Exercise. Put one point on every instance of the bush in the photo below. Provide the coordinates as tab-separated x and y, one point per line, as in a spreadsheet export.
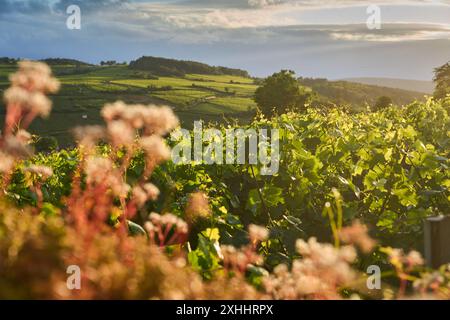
280	93
382	103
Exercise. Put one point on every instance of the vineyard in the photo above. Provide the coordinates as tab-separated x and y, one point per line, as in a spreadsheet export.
214	98
352	191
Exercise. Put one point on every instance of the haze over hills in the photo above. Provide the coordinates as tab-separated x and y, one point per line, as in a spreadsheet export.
355	94
405	84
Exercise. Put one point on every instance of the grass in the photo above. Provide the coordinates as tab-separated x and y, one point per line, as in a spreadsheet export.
219	78
5	71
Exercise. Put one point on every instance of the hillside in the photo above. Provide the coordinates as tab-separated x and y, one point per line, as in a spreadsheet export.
86	89
172	67
194	96
410	85
357	95
64	62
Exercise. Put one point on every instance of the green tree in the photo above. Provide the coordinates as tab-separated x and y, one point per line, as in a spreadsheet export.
281	92
442	81
382	102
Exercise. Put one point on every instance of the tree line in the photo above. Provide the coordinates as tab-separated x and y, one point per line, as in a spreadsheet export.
171	67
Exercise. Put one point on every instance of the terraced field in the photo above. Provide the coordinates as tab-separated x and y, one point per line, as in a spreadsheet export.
85	90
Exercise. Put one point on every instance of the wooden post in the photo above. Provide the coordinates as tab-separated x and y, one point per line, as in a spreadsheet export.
437	241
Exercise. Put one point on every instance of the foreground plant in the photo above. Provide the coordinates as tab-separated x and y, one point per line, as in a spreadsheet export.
101	187
25	100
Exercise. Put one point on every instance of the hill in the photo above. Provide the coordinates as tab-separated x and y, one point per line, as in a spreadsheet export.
86	89
410	85
172	67
357	95
64	62
211	97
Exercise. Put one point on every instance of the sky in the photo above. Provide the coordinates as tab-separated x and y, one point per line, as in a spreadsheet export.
315	38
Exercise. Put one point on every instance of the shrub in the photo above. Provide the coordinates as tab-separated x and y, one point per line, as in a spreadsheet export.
280	93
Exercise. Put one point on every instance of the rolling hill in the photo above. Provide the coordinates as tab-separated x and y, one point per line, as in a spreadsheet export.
216	95
171	67
410	85
357	95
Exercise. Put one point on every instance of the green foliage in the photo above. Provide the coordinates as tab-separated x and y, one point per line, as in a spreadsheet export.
382	103
388	169
391	168
57	186
442	80
205	259
6	60
65	62
135	230
281	92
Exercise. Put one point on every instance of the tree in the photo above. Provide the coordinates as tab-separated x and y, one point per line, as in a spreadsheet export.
382	103
281	92
442	81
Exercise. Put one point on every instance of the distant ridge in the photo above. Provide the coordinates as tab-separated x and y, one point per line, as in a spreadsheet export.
49	61
357	94
405	84
171	67
63	61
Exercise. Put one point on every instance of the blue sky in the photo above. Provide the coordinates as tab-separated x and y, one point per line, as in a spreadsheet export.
315	38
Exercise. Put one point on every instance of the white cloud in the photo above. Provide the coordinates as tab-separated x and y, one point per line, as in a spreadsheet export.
372	37
320	37
264	3
302	3
264	13
394	32
252	21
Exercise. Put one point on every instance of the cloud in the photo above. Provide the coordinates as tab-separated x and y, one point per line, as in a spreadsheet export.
320	37
242	4
33	6
229	19
264	3
89	5
329	34
214	21
47	6
23	6
233	14
202	26
393	33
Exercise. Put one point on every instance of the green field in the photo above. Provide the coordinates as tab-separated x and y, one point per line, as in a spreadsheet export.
83	94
